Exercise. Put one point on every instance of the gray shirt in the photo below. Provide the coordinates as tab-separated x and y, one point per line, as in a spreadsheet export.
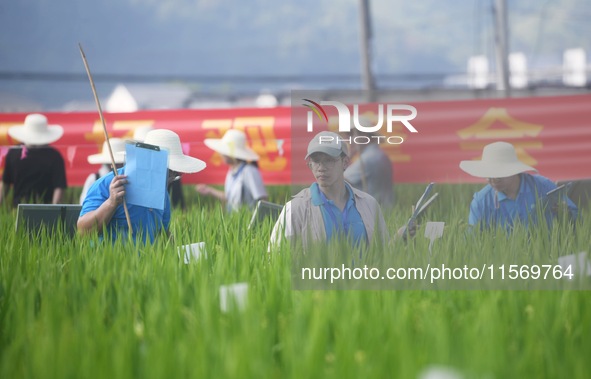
375	169
243	186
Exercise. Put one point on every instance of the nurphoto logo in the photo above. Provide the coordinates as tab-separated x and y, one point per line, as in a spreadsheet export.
346	122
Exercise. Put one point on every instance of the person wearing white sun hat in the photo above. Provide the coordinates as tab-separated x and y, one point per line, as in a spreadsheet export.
512	194
175	189
103	206
35	170
244	184
104	159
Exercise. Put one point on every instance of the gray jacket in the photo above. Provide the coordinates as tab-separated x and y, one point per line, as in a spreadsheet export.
301	219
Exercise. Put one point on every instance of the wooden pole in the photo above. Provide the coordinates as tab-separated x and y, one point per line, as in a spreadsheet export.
98	105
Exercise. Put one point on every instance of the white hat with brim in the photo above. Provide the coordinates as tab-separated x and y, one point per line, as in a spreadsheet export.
233	145
117	146
36	131
499	160
177	161
328	143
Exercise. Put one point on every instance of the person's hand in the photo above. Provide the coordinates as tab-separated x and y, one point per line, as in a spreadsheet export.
560	209
117	189
203	189
411	231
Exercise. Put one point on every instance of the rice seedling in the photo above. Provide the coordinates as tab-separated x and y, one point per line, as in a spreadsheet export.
79	308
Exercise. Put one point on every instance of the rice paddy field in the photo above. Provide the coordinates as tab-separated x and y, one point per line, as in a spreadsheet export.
75	308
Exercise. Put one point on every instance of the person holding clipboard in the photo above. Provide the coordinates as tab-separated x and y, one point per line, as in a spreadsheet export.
102	209
512	195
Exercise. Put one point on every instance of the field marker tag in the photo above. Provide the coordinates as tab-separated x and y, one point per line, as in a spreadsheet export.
581	266
434	230
233	296
192	252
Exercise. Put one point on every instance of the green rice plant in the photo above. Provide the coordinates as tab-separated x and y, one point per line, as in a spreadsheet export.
80	308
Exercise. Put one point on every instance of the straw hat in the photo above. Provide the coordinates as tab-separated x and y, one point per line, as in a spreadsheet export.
177	161
328	143
233	145
499	160
117	145
35	131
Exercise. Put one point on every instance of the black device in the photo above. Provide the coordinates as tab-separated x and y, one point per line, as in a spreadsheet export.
33	217
263	210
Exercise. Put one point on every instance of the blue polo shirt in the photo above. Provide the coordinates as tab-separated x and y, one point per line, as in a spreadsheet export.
492	208
336	222
147	222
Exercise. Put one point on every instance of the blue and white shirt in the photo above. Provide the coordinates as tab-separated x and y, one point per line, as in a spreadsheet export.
490	208
347	222
146	222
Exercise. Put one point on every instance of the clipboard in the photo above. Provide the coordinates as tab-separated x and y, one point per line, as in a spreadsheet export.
146	168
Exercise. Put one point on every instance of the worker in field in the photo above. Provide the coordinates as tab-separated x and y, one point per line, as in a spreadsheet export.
244	184
103	211
512	195
175	189
35	171
330	208
371	171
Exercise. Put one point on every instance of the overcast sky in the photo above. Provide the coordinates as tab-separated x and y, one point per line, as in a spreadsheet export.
269	37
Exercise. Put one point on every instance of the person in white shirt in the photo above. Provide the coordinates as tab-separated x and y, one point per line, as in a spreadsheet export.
244	184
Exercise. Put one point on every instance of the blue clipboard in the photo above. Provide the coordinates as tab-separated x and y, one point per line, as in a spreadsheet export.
146	167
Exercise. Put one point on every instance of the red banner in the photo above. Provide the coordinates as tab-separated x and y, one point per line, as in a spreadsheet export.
552	134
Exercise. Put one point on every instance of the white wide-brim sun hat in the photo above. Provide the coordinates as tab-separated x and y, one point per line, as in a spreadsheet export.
499	160
117	146
177	161
36	131
232	144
